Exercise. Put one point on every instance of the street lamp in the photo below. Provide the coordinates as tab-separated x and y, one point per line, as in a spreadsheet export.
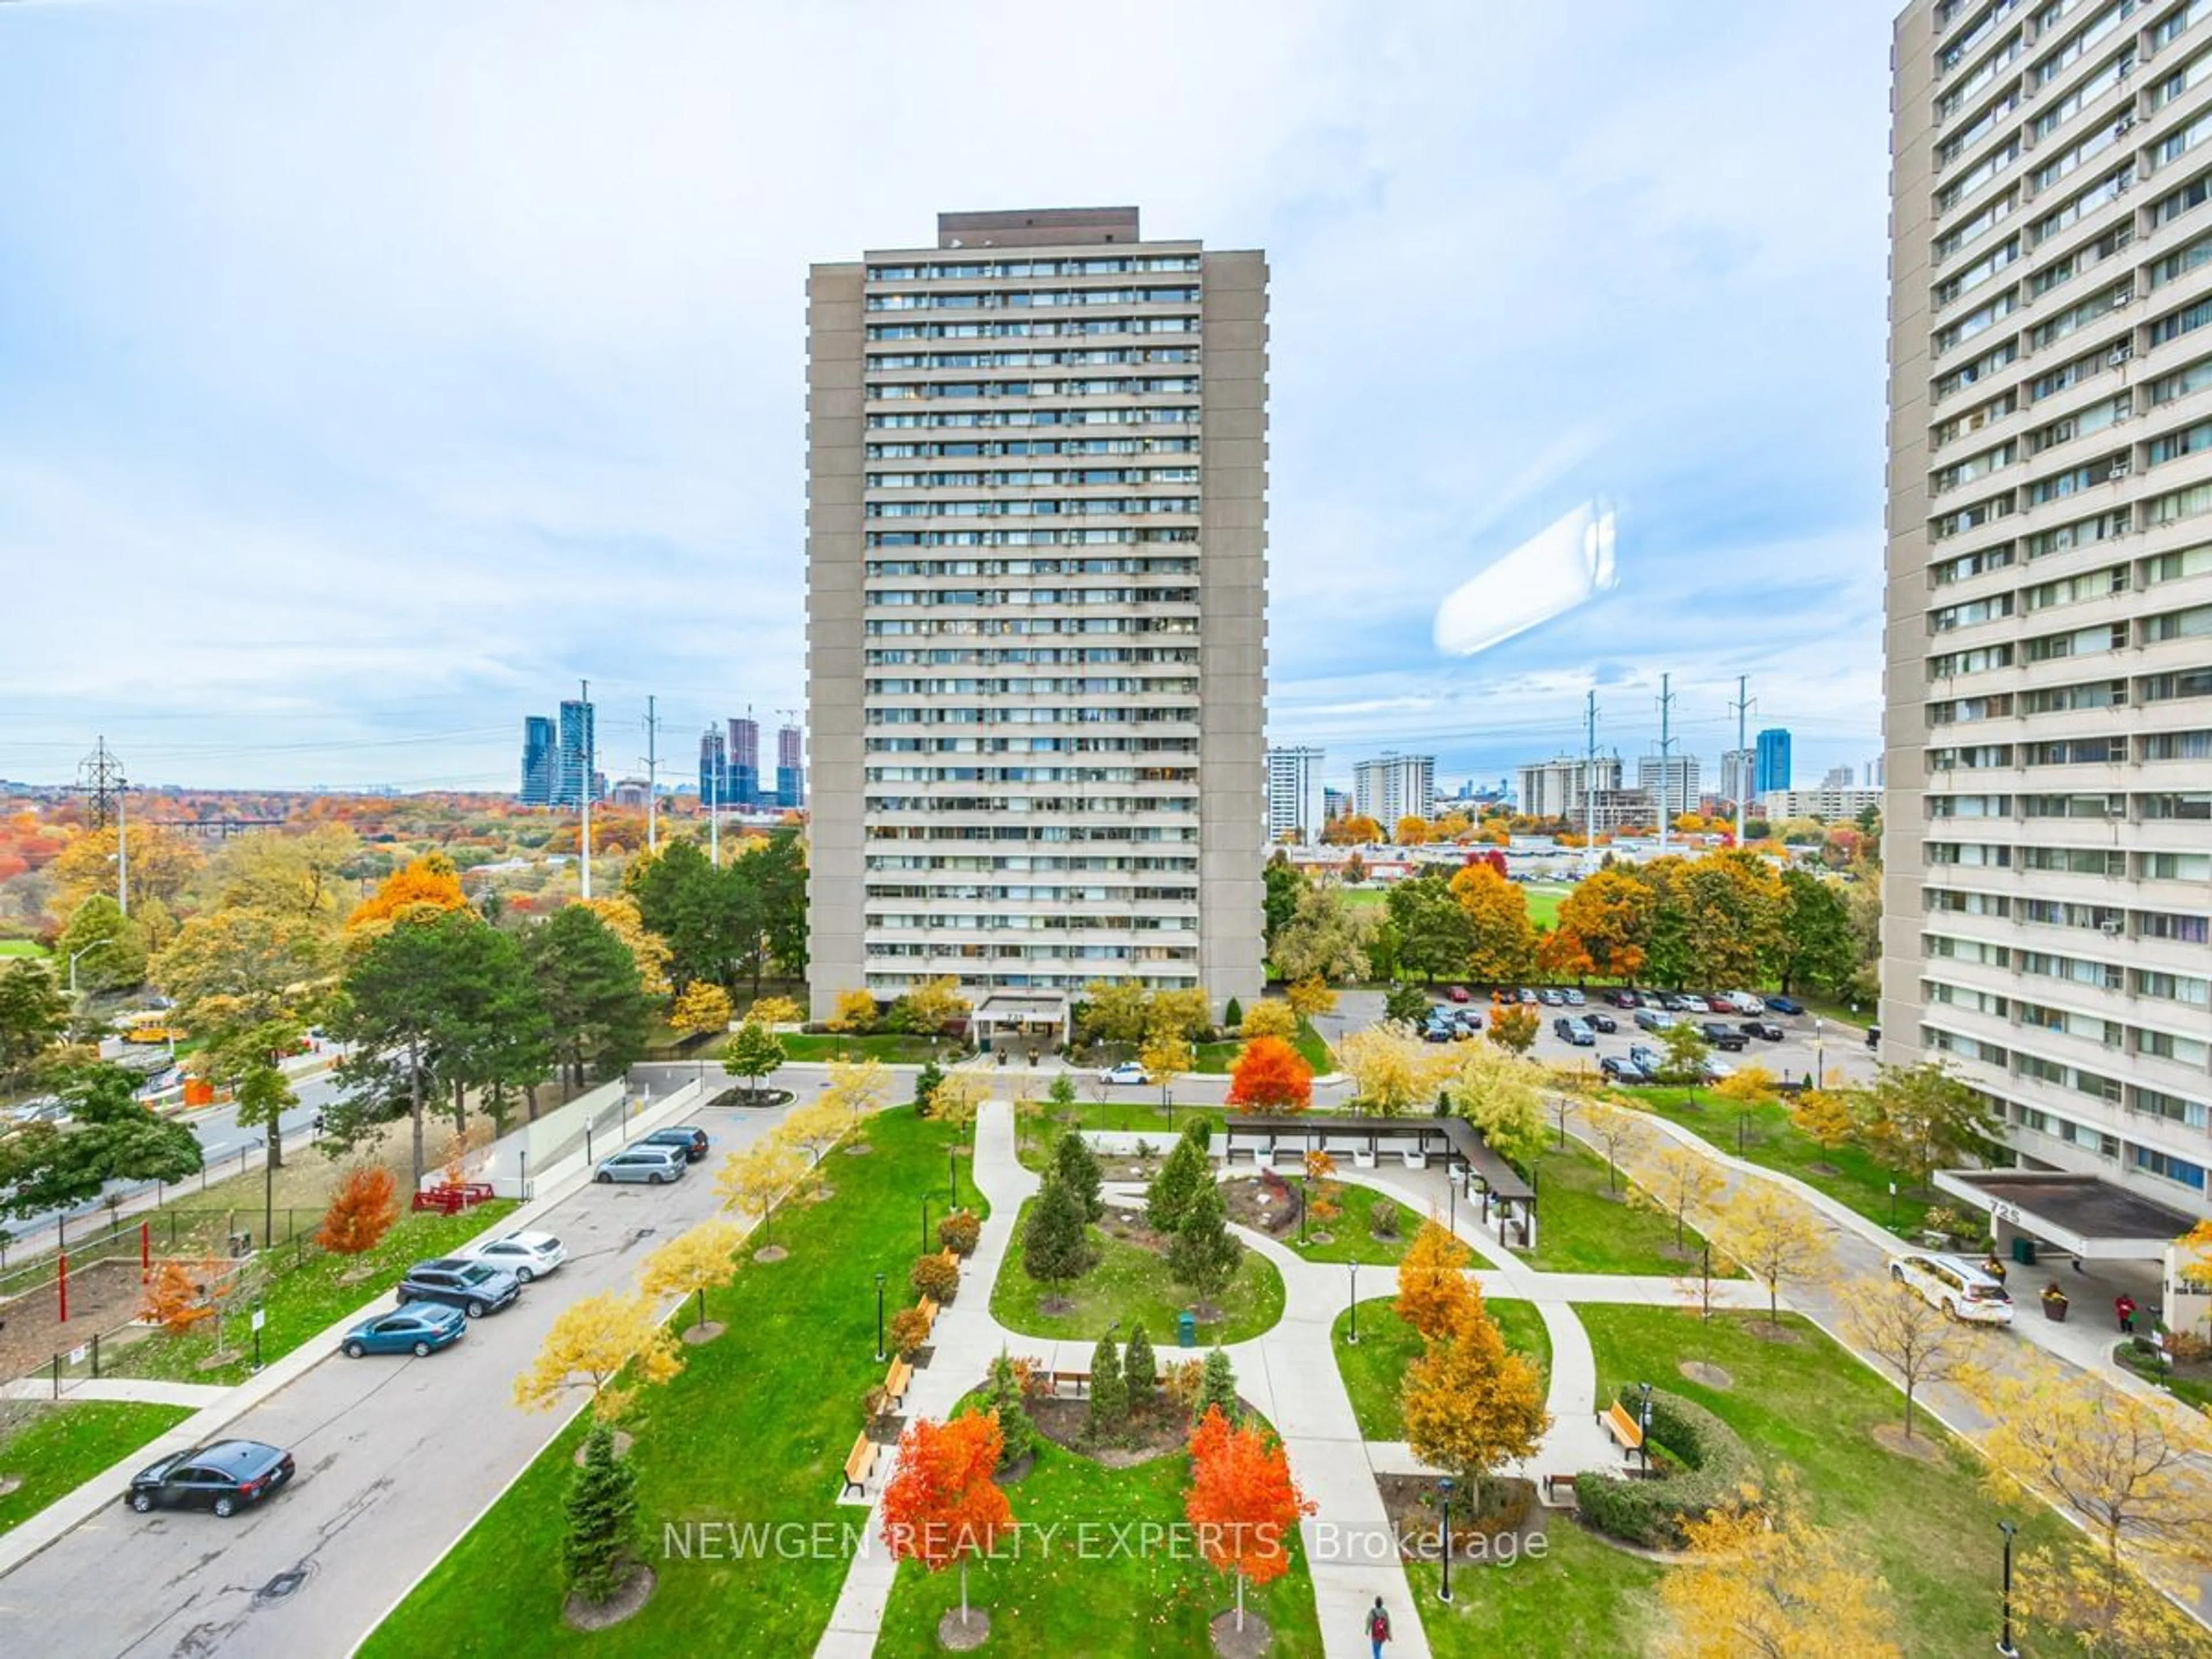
879	1319
2004	1641
1305	1197
1351	1338
1451	1208
1444	1487
924	1222
96	944
1818	1075
1643	1427
952	1178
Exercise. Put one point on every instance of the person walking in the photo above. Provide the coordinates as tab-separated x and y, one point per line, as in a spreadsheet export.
2123	1306
1378	1626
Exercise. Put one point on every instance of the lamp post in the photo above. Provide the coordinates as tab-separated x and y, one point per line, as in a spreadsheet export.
1451	1209
1444	1488
879	1319
1818	1073
2004	1640
1643	1427
1351	1338
96	944
1305	1199
952	1179
924	1222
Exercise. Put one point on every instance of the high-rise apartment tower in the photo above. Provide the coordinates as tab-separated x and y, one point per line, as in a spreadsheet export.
1296	810
1036	664
2048	747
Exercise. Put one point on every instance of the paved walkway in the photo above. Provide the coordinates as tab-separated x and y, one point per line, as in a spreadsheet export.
143	1390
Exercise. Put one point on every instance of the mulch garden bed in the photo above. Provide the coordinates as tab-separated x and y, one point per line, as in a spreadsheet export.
1153	1430
1264	1203
1508	1506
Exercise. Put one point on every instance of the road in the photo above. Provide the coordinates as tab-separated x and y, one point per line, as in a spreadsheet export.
397	1456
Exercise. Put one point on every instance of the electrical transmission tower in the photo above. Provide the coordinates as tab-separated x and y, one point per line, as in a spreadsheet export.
99	780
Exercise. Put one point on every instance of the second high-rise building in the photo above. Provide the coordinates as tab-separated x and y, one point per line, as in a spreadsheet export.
1036	628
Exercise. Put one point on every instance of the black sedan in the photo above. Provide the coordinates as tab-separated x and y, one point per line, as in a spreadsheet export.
1765	1029
224	1475
1598	1022
1614	1068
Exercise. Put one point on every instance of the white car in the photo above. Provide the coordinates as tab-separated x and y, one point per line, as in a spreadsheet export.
1127	1072
526	1255
1961	1290
1744	1003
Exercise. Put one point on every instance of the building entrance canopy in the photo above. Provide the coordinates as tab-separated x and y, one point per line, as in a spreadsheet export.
2082	1214
1034	1014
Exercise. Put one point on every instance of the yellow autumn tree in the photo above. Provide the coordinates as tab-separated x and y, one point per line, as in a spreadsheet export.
1616	1130
1469	1405
777	1011
426	883
1504	945
1825	1115
855	1011
1434	1292
1270	1016
1391	1071
1679	1182
1761	1585
1310	996
698	1260
860	1089
754	1182
954	1102
818	1126
934	1004
1891	1321
647	948
594	1342
1773	1237
703	1008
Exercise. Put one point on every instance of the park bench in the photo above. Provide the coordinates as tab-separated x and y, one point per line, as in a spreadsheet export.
898	1382
1076	1380
1417	1157
1623	1427
452	1200
928	1306
1554	1485
859	1463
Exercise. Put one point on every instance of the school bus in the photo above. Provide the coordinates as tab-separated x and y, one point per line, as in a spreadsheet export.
151	1026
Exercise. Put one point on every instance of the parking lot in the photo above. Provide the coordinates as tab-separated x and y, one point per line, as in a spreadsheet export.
1836	1046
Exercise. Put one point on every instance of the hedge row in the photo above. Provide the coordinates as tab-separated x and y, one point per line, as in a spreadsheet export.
1716	1468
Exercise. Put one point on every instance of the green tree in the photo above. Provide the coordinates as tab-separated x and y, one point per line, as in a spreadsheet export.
1284	885
1232	1013
699	911
1140	1367
1435	935
924	1084
1815	942
1002	1394
1203	1254
1061	1093
232	970
1407	1005
588	981
1502	1095
1114	1011
262	1094
1917	1118
1109	1390
770	881
1078	1166
1324	939
753	1053
112	1136
601	1510
1055	1248
1217	1388
34	1014
1181	1173
1685	1052
110	946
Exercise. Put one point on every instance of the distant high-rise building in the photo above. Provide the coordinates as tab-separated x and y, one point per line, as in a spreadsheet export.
1560	788
745	764
1296	806
1738	775
572	771
1394	786
790	776
1334	804
537	760
1839	777
1876	771
1120	839
714	768
1772	771
1672	783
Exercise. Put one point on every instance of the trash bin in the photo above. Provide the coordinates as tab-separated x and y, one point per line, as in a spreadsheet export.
1187	1329
2023	1250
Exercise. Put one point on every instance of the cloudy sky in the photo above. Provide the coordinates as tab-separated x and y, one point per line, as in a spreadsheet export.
369	373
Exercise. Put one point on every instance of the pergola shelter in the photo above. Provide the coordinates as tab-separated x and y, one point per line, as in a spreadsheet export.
1490	1180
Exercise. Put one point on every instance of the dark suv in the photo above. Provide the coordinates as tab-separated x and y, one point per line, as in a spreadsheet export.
224	1475
1723	1036
477	1288
690	1138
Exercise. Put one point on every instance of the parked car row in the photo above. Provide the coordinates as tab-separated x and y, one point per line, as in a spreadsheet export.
1644	1064
655	1160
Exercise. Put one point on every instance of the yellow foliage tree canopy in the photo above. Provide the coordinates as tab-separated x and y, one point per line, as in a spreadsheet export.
700	1258
647	948
595	1340
1469	1405
1504	945
855	1011
1782	1587
703	1008
1435	1295
1271	1017
428	883
1391	1071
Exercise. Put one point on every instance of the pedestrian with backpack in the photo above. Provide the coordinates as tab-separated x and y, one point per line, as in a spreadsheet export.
1378	1626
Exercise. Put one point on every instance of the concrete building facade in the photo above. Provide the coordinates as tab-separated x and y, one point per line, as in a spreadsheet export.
1036	662
1393	787
1297	807
1831	803
1560	788
2048	741
1672	783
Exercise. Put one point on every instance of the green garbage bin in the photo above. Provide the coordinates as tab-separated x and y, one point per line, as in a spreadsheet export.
1187	1329
2023	1251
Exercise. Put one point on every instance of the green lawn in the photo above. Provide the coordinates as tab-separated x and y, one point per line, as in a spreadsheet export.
1579	1597
1582	1227
1088	1597
1132	1284
1214	1059
1038	1133
892	1048
1927	1528
64	1446
302	1301
22	947
754	1430
1373	1370
1353	1232
1544	906
1845	1173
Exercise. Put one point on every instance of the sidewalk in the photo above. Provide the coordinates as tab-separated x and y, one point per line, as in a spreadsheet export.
143	1390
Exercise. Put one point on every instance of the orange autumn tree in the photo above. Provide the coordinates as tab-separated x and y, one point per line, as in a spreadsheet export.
1434	1295
428	883
1270	1075
941	1505
174	1300
361	1212
1243	1501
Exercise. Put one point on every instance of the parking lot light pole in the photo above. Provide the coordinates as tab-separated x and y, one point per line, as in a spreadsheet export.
1444	1487
924	1222
1351	1338
2004	1641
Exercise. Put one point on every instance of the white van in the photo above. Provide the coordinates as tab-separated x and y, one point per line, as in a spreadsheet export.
1961	1290
1744	1003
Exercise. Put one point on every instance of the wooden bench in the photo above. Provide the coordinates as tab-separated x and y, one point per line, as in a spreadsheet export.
928	1306
859	1463
1554	1484
1078	1381
898	1382
1622	1427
